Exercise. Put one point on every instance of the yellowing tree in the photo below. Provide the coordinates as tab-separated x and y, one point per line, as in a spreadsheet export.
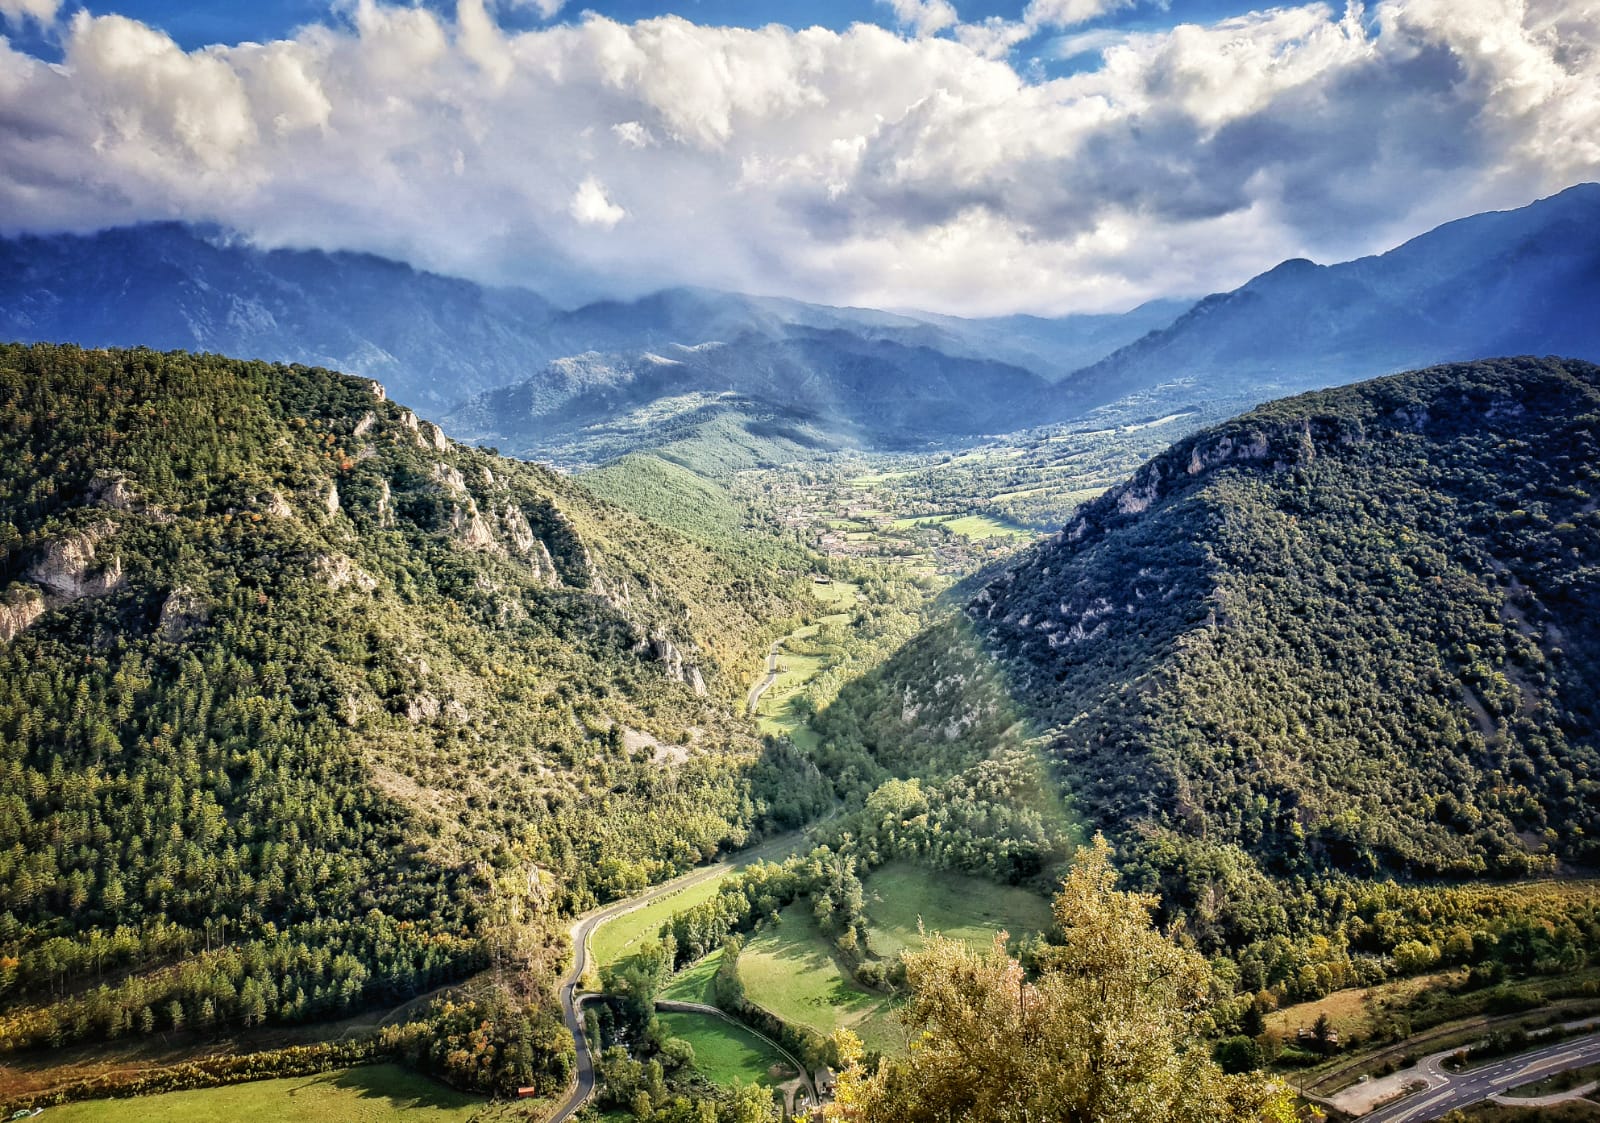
1111	1031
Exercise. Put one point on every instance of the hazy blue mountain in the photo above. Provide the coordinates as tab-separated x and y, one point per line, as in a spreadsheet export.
432	340
873	391
1502	283
436	341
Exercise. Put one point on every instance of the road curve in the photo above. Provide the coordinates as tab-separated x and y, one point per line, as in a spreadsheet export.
1447	1090
572	999
760	688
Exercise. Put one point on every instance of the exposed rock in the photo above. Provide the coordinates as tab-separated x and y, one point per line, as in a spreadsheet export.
597	583
518	530
182	614
470	528
450	479
378	390
20	607
278	507
546	564
385	505
660	648
340	572
424	707
109	489
432	434
67	568
364	426
332	502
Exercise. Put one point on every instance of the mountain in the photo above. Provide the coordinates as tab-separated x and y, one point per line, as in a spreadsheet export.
1356	631
1502	283
433	340
305	708
436	341
844	387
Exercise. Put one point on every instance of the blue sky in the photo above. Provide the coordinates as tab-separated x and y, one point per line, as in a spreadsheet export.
194	25
950	155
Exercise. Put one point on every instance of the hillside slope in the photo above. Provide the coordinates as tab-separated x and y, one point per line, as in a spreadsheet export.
1355	630
281	665
1502	283
876	392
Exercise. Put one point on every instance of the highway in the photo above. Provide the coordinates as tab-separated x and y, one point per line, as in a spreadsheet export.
1448	1090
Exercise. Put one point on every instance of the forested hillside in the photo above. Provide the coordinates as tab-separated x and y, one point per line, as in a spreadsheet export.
1352	632
305	708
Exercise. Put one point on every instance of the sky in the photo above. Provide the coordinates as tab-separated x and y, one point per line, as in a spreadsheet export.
966	156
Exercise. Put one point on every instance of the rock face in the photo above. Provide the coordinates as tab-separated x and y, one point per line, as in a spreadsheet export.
659	646
182	614
19	608
68	572
340	572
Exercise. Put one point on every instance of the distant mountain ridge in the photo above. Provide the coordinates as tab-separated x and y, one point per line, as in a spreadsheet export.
1524	281
436	341
878	392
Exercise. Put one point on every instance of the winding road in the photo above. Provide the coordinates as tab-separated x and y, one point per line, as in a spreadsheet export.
1447	1091
572	999
760	688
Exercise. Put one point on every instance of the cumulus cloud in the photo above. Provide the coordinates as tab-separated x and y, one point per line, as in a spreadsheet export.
925	17
859	166
42	12
591	207
1069	13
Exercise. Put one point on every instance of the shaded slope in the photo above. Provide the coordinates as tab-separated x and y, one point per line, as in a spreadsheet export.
1358	629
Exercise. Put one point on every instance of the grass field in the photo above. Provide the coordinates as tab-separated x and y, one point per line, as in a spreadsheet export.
371	1094
975	527
963	908
840	594
617	939
724	1053
789	970
1353	1011
693	983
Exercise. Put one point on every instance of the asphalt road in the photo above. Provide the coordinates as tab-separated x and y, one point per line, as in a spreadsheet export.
1448	1090
772	676
572	999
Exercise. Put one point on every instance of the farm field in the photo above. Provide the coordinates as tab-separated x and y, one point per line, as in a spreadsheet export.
788	969
617	939
724	1053
693	983
969	909
370	1094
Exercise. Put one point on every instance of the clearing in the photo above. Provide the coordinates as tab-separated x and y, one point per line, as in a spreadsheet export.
724	1053
788	969
369	1094
968	909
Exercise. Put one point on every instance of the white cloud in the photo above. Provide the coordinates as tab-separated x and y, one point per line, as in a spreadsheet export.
591	207
42	12
1069	13
925	17
547	9
855	166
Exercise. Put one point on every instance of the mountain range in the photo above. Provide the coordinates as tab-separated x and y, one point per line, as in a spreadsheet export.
508	366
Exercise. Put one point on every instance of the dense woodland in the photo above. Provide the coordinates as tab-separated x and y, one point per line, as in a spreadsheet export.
304	708
1346	638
